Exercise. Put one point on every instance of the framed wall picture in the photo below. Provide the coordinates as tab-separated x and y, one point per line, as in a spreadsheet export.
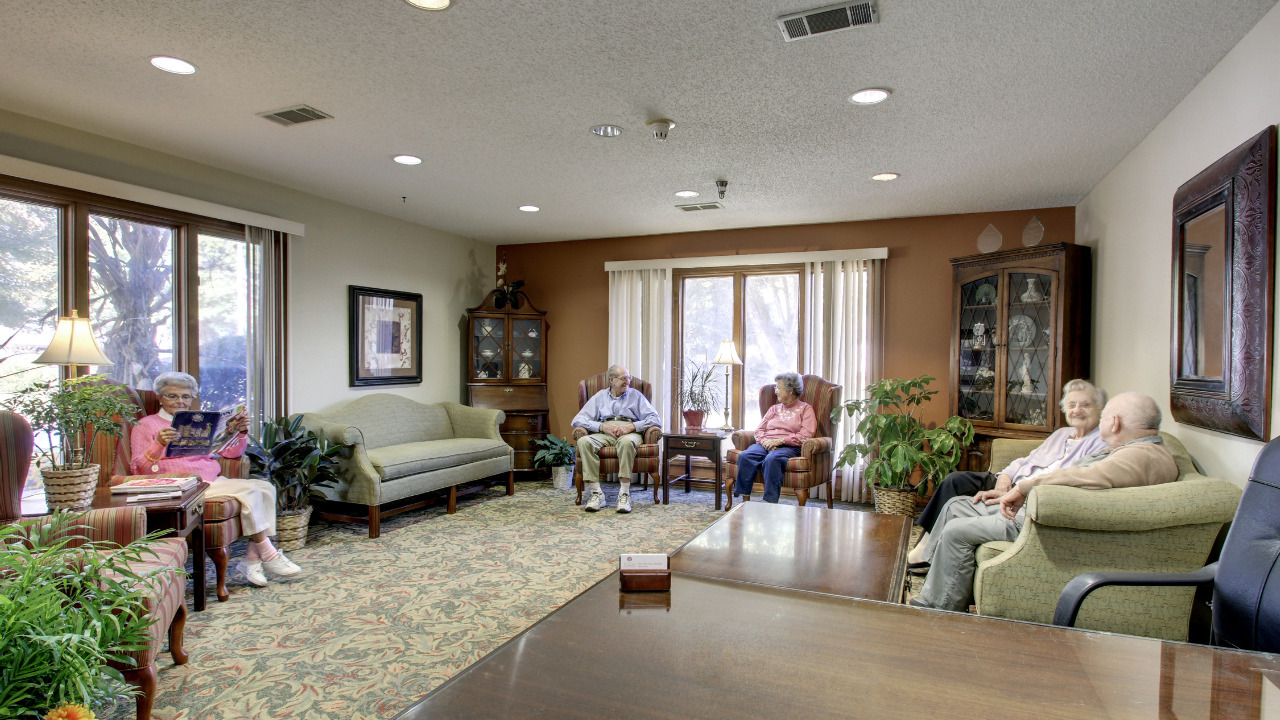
386	337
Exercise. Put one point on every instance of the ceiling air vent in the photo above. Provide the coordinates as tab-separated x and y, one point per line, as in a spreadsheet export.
295	115
827	19
700	206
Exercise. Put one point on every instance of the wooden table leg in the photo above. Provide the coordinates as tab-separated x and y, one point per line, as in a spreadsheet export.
719	472
196	539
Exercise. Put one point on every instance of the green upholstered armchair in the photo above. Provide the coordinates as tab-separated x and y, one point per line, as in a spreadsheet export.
1069	531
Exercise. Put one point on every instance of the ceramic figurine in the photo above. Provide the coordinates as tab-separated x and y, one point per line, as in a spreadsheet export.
979	336
1033	291
1028	387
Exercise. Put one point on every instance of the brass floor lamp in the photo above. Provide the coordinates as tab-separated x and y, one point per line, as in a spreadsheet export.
727	356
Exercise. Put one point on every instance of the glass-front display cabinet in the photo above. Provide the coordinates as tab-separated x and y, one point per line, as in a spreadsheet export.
1021	330
507	369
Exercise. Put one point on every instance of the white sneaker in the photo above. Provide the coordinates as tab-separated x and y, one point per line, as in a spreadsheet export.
624	503
252	570
595	502
281	565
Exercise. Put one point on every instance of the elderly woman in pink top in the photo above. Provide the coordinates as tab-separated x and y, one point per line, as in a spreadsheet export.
779	436
257	497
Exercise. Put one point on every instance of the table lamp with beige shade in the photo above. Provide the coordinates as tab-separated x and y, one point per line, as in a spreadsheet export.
73	344
727	356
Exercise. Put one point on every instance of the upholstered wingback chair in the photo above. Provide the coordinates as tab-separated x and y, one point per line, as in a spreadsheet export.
812	467
1068	531
17	441
221	514
648	460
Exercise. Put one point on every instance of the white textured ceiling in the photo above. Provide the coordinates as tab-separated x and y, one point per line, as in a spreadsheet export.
1002	104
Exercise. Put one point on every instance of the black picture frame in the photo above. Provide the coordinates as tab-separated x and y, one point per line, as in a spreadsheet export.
378	321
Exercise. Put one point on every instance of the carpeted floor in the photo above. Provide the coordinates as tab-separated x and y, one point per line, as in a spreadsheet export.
372	625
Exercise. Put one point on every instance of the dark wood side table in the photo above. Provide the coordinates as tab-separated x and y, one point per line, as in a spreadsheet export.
690	445
182	516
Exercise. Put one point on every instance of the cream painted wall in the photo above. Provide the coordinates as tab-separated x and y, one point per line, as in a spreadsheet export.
1127	217
343	246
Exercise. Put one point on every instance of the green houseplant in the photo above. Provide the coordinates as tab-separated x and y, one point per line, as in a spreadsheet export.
71	414
298	462
697	393
558	454
66	611
895	443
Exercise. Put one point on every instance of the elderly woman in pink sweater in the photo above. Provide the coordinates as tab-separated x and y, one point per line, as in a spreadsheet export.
778	438
257	497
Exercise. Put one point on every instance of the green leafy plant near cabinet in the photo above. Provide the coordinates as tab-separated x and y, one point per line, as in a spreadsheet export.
555	452
893	439
66	610
296	460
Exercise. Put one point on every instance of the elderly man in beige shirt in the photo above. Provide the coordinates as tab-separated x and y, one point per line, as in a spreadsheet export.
1135	456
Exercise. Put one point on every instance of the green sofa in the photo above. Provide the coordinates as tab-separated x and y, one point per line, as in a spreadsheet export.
1069	531
402	450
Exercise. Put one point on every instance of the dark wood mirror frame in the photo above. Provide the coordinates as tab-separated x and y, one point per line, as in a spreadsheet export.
1239	401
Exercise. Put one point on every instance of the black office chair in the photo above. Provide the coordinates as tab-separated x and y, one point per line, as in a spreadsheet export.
1245	581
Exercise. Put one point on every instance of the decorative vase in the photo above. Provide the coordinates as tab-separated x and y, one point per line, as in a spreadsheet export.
562	477
693	420
70	489
895	501
291	528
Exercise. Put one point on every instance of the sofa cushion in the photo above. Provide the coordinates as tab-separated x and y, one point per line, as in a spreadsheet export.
407	459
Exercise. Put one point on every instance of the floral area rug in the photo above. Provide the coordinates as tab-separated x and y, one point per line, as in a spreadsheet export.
370	626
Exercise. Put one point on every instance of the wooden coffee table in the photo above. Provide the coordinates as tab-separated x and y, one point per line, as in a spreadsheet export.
840	552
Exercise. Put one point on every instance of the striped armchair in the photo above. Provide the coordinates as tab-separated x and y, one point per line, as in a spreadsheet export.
812	467
221	514
648	460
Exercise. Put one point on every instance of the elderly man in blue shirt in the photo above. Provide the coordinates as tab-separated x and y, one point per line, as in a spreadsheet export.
616	416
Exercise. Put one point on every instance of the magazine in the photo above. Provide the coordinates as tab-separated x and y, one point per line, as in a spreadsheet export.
156	483
201	432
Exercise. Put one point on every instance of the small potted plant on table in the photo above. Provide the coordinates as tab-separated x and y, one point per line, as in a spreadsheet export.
698	394
557	454
297	461
895	443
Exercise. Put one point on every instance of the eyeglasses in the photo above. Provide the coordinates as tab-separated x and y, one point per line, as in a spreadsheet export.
184	398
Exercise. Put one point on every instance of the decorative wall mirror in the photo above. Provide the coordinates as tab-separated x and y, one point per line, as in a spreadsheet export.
1223	283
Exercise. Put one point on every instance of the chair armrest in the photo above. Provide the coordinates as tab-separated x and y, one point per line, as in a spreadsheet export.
814	446
742	439
1137	509
579	433
473	422
236	467
1074	594
653	436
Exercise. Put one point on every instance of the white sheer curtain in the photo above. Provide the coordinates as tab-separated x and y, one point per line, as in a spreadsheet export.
267	346
640	328
843	342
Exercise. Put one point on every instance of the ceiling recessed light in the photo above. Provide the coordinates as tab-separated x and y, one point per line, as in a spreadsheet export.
429	4
870	96
530	208
885	177
607	130
687	193
408	159
174	65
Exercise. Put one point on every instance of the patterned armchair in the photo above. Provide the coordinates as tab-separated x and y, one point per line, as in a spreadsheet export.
648	462
221	515
1069	531
812	467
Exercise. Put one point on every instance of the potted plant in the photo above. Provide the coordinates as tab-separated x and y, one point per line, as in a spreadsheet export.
298	462
697	394
557	454
68	607
895	443
71	414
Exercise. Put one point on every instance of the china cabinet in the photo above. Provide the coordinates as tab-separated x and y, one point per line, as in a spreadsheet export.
507	369
1021	328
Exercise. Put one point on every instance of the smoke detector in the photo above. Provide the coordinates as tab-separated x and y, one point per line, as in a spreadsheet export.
831	18
660	128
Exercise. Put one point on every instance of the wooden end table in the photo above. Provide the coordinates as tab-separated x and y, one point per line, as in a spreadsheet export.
182	516
690	445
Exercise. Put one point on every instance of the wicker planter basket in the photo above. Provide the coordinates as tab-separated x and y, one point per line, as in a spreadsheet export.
291	529
895	501
562	477
70	489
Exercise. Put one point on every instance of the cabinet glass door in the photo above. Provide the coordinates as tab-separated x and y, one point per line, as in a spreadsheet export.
1027	365
978	332
487	336
526	343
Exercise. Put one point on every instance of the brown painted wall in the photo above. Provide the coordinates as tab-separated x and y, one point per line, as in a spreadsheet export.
568	281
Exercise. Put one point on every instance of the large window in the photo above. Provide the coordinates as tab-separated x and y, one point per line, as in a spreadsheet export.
760	310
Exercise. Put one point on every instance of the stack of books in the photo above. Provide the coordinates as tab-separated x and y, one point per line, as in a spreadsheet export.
146	488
